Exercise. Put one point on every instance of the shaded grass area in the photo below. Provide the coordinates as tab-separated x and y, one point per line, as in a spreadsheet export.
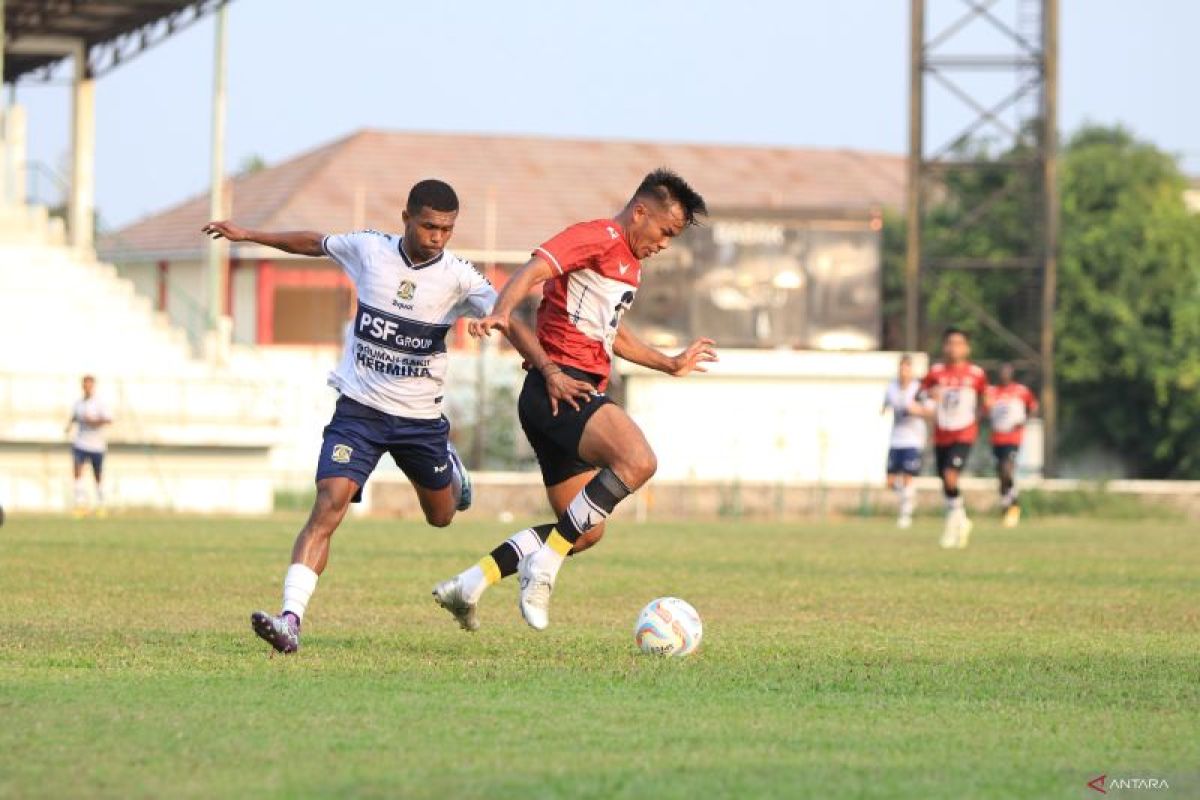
840	660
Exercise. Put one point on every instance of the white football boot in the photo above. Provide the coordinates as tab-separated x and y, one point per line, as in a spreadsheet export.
949	533
537	572
904	522
964	531
449	595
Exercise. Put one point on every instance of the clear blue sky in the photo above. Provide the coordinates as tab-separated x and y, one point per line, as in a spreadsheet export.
800	72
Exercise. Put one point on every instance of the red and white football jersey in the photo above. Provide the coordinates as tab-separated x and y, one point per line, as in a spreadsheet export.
596	278
1008	408
961	389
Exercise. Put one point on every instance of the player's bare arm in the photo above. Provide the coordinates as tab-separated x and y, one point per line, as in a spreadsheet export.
301	243
535	271
560	386
628	346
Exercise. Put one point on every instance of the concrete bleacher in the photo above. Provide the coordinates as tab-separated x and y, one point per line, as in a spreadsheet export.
188	434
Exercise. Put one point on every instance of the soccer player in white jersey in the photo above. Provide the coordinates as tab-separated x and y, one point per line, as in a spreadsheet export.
89	417
908	438
410	291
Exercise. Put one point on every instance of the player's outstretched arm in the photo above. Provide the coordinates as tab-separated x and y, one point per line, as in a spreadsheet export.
535	271
629	347
301	243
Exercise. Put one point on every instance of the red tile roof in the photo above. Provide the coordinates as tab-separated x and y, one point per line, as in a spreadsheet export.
537	186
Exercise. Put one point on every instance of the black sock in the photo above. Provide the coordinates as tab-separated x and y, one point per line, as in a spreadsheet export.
592	506
508	554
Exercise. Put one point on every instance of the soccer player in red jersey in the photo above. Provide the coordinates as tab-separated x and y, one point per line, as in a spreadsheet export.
1009	405
958	389
591	453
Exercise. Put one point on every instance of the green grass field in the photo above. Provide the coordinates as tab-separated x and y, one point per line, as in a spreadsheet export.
839	660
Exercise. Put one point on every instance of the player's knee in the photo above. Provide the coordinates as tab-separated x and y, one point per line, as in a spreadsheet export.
439	518
638	467
330	504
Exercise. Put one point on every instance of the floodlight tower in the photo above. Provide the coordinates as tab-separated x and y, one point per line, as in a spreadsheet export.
1026	118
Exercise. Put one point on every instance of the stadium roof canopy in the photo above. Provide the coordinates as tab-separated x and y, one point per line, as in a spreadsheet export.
516	190
113	31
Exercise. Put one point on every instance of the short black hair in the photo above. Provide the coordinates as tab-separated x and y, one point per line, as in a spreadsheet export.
952	330
431	193
665	185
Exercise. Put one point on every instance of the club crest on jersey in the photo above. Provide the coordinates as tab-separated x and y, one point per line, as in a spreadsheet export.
341	453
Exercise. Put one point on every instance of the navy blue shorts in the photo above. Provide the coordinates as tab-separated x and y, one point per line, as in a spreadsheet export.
358	436
88	457
904	461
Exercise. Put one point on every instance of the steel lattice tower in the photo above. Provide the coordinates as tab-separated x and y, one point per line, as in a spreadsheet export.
975	42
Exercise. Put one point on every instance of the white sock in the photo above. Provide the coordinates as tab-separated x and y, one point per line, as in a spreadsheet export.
99	495
526	542
955	507
908	500
80	493
298	586
474	582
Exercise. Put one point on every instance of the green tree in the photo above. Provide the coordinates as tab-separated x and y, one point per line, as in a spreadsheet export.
1128	319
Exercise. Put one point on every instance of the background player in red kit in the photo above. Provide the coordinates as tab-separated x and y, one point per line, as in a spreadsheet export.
1009	405
958	389
591	454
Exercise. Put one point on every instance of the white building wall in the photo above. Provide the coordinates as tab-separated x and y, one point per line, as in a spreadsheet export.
761	415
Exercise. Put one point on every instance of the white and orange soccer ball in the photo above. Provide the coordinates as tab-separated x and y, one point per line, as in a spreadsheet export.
668	626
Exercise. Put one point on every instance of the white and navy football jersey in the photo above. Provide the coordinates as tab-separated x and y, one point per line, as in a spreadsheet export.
908	430
90	437
395	355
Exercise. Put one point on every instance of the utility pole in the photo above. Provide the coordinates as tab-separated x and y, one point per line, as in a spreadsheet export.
916	149
1051	223
217	248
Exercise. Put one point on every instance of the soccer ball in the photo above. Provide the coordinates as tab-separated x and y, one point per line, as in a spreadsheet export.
668	626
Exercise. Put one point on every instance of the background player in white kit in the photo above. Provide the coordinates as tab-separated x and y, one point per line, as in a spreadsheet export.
89	416
410	290
907	443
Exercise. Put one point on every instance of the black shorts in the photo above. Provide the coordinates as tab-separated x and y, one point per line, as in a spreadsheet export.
358	436
1006	452
952	456
555	439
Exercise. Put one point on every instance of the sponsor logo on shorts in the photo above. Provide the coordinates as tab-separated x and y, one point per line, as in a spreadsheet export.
442	468
341	453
